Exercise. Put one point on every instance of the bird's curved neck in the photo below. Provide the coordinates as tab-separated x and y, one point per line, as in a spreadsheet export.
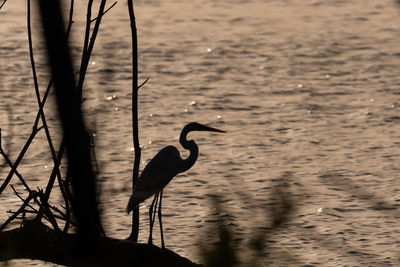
192	147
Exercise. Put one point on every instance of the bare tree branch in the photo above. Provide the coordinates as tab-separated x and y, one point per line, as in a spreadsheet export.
135	128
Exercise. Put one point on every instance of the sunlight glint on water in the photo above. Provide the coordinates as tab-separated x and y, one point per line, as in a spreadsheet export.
307	91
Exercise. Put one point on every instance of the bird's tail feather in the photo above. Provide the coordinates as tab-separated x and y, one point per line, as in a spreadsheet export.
132	204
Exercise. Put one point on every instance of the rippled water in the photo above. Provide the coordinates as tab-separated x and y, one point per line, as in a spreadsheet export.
308	91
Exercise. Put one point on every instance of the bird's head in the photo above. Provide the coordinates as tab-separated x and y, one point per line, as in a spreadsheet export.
195	126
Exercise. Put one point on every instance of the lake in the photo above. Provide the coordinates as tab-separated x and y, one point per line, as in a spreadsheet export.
307	91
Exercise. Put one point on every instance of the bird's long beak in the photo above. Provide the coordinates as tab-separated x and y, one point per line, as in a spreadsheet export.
210	129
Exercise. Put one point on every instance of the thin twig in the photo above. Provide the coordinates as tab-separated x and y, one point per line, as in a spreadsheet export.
11	127
17	162
56	170
108	9
70	20
88	47
25	211
62	189
43	206
46	94
68	195
47	211
3	4
85	44
143	83
21	198
63	216
35	130
35	81
22	208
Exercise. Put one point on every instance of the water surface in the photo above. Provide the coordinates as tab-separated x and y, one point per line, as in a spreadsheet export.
308	92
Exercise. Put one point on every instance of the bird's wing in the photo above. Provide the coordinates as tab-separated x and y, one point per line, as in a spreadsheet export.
158	173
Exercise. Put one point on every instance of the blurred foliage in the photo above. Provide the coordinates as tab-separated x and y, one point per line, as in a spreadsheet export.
225	253
222	253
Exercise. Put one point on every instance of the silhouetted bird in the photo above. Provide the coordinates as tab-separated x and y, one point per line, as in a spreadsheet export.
160	171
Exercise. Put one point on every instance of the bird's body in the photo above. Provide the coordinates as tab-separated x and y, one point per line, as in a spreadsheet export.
154	178
162	168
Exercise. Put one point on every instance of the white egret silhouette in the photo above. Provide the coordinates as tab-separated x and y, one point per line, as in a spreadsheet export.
160	171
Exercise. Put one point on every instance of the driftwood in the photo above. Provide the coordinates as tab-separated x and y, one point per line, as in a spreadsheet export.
34	240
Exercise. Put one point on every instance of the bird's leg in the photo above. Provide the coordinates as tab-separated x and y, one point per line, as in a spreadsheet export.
159	218
152	217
